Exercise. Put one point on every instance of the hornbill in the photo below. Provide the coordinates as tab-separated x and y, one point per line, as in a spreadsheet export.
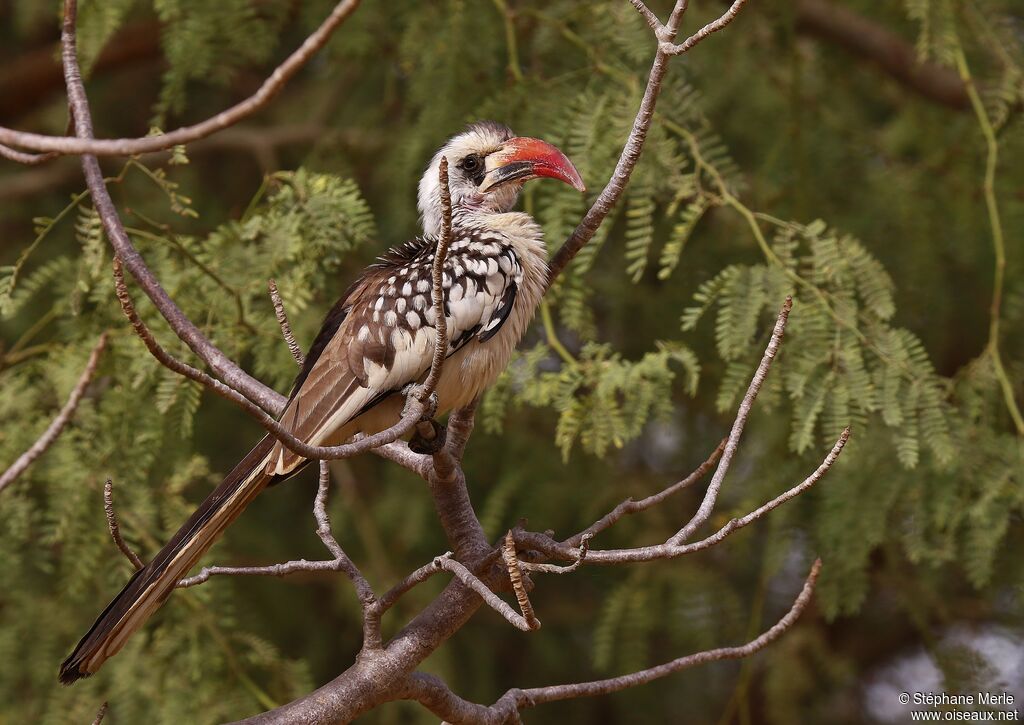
378	339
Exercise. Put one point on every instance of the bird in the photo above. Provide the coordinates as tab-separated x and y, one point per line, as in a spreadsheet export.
378	339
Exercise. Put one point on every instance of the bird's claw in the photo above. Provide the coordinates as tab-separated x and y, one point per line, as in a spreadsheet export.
429	438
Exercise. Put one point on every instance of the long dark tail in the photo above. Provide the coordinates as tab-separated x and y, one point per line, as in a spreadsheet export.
152	584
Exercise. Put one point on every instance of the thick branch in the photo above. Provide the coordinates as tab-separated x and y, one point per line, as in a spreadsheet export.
85	144
866	39
63	417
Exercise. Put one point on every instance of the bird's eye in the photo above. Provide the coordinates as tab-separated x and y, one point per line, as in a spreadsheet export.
471	163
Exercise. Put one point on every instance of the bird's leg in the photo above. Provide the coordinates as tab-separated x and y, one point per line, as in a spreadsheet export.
430	436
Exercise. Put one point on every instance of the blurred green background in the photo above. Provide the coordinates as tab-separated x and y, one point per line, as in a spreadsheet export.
787	157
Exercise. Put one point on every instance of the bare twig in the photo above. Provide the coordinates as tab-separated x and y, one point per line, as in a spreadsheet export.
437	277
732	443
435	695
556	569
341	562
23	157
115	528
388	599
85	144
186	330
629	506
492	600
286	328
100	714
650	17
712	27
634	145
539	695
672	550
411	415
57	425
515	575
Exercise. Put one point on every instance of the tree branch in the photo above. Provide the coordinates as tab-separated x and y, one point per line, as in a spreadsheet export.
341	561
55	428
733	441
616	185
672	550
629	506
115	528
435	695
539	695
713	27
227	370
286	328
895	56
85	144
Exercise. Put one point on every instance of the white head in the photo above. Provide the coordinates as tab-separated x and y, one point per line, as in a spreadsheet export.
487	167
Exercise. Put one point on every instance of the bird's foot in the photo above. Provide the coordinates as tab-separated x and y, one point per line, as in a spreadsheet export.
429	438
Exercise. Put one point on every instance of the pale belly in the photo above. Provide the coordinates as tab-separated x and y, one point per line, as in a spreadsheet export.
465	375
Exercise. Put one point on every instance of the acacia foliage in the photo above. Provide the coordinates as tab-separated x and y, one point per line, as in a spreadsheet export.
653	332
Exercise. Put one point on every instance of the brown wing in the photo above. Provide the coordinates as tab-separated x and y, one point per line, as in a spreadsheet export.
380	337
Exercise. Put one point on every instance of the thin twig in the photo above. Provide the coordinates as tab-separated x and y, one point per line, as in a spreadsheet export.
23	157
648	15
491	599
391	596
634	145
100	714
732	443
539	695
555	568
85	144
629	506
63	417
671	550
411	415
232	375
286	328
437	291
115	528
434	694
341	562
515	575
712	27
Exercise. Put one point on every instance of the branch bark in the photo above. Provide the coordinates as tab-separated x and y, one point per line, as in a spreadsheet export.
891	53
86	144
386	671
